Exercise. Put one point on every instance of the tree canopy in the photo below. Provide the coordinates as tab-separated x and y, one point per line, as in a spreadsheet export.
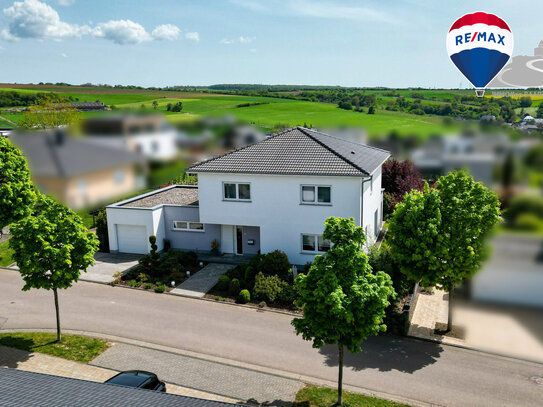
17	194
49	114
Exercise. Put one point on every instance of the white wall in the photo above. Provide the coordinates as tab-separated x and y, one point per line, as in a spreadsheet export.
166	143
275	207
124	216
372	202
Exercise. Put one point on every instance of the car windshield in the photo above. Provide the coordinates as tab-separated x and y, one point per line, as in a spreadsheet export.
131	379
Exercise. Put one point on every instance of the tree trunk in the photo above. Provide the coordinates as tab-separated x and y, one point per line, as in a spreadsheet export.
340	377
59	337
450	319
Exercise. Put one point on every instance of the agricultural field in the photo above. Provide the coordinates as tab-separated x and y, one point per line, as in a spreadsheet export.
263	112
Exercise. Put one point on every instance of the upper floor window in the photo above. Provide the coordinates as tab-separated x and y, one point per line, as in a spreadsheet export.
316	194
233	191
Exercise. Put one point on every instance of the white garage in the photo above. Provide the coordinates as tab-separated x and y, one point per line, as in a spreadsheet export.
132	239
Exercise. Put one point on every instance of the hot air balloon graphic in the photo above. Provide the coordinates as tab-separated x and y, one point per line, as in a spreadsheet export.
480	44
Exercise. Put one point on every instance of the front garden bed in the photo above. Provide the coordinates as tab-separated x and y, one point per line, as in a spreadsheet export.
163	272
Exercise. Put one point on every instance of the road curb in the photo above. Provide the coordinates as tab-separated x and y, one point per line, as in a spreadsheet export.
242	365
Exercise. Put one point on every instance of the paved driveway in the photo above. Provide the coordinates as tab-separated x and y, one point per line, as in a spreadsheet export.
199	284
107	264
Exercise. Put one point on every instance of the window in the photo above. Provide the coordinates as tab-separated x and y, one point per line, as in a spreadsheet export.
236	192
316	194
188	226
315	244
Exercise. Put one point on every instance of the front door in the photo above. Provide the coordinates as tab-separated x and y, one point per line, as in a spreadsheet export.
239	239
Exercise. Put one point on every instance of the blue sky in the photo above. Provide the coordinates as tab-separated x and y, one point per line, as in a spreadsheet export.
322	42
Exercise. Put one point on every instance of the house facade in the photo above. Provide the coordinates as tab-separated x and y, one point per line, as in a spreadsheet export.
275	194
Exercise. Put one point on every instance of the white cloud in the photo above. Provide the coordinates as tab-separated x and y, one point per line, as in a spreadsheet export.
246	40
64	55
226	41
121	32
193	36
168	32
252	50
34	19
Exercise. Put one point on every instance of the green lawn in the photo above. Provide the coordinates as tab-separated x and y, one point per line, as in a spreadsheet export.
73	347
5	254
313	396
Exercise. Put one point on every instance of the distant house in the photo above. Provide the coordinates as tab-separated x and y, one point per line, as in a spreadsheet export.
77	172
148	135
88	106
275	194
528	123
479	154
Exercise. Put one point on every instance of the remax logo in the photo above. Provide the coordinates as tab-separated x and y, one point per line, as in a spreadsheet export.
480	44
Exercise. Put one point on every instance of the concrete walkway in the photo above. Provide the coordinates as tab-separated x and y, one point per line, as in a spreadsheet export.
107	264
204	375
41	363
199	284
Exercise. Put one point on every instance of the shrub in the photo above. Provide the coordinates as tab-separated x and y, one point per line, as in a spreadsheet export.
215	246
234	287
382	260
148	286
223	283
188	259
236	272
160	288
523	204
288	295
143	277
244	297
268	288
529	222
134	283
275	264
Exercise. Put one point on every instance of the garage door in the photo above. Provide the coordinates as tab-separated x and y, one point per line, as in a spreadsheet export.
132	239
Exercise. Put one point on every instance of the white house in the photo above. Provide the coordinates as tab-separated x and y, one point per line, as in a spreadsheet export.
148	135
275	194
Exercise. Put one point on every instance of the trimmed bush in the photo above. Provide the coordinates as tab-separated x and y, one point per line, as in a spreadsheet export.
237	272
244	297
148	286
275	264
288	295
188	259
529	222
224	283
268	288
134	283
523	204
234	287
160	288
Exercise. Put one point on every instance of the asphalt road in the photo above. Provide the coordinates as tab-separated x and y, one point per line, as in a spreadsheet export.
418	370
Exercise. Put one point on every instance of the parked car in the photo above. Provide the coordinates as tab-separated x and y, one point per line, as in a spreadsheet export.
139	379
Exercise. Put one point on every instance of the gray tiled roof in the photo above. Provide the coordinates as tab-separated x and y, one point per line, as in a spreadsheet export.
63	156
298	151
25	389
178	195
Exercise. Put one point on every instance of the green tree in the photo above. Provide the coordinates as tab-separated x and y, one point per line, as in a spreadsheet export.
17	194
438	237
49	114
52	248
155	104
343	301
371	110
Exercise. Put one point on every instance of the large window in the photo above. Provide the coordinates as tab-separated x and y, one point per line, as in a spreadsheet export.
316	194
233	191
314	244
188	226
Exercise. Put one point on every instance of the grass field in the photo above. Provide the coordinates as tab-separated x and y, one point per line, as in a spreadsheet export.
272	112
5	254
313	396
73	347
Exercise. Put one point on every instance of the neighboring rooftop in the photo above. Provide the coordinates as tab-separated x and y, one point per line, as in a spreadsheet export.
176	195
58	155
298	151
22	388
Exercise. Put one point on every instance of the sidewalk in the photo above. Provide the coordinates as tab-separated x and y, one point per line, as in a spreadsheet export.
41	363
199	284
204	375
